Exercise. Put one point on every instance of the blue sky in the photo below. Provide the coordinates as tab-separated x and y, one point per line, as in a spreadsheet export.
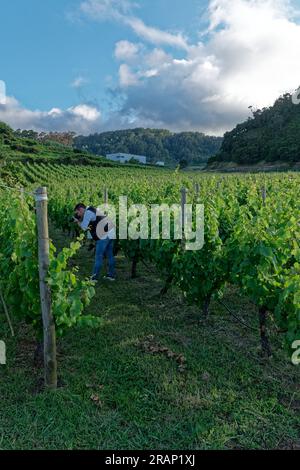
43	49
93	65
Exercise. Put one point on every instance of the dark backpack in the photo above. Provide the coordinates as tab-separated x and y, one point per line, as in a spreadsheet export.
93	224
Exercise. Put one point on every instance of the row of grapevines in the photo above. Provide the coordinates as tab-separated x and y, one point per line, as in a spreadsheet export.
19	276
247	243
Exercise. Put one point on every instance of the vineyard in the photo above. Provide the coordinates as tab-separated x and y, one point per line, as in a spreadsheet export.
252	248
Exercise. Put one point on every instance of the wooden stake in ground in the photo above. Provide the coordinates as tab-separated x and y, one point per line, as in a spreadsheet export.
134	267
262	314
197	190
50	363
105	196
183	203
264	195
7	314
105	199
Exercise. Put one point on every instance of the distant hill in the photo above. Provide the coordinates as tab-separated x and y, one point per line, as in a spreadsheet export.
190	148
31	146
272	135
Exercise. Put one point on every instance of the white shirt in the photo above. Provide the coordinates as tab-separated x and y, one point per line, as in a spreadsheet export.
90	216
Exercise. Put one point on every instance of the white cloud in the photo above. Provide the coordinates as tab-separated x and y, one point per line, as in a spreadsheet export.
157	58
126	77
155	35
126	50
2	92
81	119
250	57
55	112
121	10
78	82
106	9
88	113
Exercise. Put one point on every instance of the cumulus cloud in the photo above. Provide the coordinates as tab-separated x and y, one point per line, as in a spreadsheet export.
78	82
126	50
81	119
87	113
2	92
126	76
249	57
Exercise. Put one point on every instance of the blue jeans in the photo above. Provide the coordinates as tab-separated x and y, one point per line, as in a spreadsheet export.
104	247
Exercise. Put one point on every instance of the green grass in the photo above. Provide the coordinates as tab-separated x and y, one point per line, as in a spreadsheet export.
117	394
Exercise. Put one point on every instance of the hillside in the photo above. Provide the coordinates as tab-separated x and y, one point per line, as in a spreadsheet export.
272	136
157	144
14	148
30	147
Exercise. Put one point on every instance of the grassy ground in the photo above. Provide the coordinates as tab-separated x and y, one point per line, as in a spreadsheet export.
154	376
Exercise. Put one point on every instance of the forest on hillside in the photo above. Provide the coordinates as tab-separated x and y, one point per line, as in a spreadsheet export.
29	146
157	144
270	135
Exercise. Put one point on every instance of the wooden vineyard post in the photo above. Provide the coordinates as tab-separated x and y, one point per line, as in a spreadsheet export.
105	199
266	349
105	196
134	267
197	190
7	314
50	363
183	203
264	195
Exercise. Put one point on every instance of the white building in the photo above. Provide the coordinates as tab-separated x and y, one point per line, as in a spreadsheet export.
160	163
126	157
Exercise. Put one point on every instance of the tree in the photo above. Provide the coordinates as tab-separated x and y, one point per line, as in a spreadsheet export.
155	144
183	163
272	134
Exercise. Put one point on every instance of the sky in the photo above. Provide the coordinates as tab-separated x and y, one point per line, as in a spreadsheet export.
185	65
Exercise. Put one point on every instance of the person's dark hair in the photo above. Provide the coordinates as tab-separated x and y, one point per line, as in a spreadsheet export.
80	206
